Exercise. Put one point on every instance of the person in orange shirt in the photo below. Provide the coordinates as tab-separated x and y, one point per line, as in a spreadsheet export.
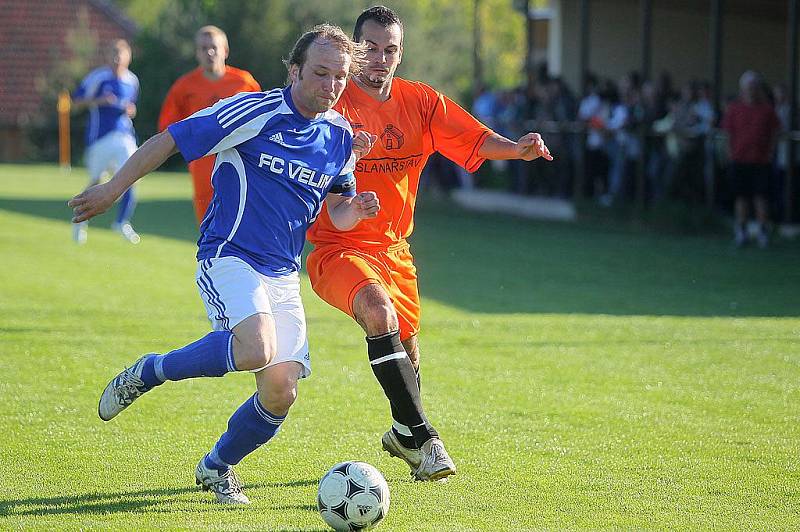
368	272
211	81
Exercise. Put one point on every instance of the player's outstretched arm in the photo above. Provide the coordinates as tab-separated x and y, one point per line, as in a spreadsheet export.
529	147
346	212
99	198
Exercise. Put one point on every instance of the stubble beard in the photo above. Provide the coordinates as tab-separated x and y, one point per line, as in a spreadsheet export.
374	80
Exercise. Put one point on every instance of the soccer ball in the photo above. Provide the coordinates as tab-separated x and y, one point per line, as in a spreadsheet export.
353	496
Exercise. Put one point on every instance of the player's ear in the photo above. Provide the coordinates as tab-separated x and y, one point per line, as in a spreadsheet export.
400	55
294	73
227	51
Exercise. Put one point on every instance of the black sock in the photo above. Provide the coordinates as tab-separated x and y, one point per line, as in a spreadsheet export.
394	372
404	437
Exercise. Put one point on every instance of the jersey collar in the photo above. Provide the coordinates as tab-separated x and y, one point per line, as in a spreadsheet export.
364	97
287	97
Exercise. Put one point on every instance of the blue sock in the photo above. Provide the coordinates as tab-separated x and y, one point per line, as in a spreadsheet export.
149	376
210	356
126	206
250	427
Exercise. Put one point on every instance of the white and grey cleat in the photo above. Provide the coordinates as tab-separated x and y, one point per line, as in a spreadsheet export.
123	390
226	486
392	445
127	232
436	463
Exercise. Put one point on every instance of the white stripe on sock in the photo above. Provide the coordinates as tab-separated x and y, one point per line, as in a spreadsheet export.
158	368
265	415
229	360
393	356
402	429
214	456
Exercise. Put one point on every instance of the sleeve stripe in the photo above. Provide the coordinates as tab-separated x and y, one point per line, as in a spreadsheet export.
238	104
245	111
244	100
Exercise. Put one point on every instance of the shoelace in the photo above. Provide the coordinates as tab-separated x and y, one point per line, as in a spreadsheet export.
130	388
228	483
436	453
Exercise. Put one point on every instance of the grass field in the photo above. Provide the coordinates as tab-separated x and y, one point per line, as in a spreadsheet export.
581	379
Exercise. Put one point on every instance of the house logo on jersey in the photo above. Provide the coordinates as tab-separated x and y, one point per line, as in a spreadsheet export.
392	138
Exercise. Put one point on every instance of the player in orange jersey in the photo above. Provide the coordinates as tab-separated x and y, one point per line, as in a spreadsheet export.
369	272
201	88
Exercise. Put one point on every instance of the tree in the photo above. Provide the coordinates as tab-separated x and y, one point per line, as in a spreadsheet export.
437	41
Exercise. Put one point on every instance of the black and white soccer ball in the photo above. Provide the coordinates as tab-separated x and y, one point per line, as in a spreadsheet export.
353	496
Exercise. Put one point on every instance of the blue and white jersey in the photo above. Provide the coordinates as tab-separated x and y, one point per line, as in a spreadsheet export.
274	168
104	119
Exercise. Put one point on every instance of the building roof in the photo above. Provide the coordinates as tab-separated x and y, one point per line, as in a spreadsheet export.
33	37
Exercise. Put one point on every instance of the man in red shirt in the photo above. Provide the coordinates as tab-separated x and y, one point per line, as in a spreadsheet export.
211	81
752	127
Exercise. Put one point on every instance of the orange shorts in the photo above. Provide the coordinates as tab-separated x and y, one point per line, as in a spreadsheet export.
338	273
201	179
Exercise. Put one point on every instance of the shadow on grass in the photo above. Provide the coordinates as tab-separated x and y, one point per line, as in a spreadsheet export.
165	218
496	264
128	501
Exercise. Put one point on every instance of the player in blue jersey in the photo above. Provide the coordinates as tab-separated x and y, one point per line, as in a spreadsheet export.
279	155
110	93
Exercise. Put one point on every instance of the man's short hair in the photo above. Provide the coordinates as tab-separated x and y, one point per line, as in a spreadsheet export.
119	42
213	31
379	14
330	34
749	77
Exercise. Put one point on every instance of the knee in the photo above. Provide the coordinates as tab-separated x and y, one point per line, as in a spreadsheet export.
254	352
374	311
379	318
279	398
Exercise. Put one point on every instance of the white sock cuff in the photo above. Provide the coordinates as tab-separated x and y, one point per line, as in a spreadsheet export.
158	368
214	457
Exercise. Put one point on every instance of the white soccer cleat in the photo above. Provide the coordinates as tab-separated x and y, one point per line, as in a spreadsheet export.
226	486
436	463
390	443
123	389
127	232
80	232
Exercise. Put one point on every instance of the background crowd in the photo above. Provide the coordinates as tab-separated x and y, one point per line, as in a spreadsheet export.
619	136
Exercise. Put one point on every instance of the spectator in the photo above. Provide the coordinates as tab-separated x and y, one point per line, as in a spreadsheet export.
625	146
485	106
752	127
593	113
653	109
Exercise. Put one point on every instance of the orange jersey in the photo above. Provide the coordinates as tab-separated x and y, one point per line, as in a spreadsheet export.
190	93
193	91
412	124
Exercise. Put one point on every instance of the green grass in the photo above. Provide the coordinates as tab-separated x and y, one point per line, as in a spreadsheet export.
581	378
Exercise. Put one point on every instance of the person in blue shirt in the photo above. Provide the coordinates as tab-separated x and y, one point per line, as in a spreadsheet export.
110	93
279	154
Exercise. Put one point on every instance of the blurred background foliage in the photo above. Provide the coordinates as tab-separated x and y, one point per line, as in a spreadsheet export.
439	41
